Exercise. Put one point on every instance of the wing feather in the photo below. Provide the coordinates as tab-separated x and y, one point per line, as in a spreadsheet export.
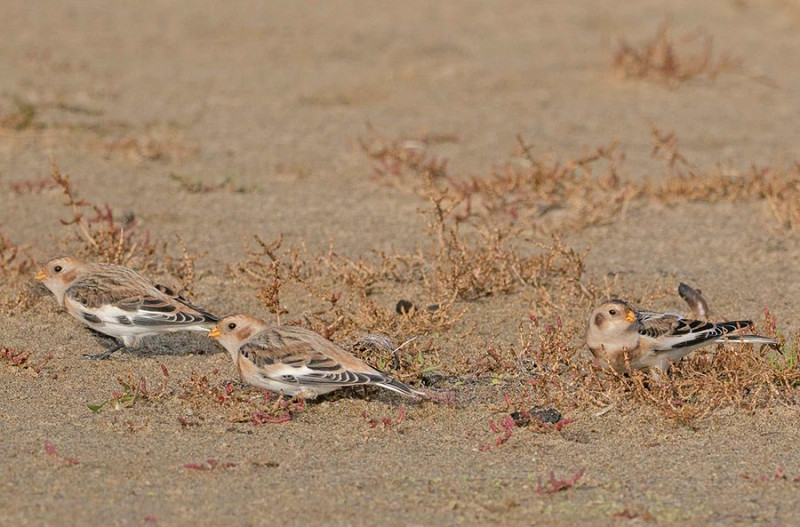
299	356
134	301
674	331
655	325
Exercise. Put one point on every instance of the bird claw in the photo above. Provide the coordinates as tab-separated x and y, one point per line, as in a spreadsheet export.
106	354
97	356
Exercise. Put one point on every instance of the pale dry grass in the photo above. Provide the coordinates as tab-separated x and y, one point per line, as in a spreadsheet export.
98	234
212	397
538	195
472	248
549	363
661	59
16	269
532	194
555	370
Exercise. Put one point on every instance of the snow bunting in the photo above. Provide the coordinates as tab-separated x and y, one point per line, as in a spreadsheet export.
295	360
119	302
651	340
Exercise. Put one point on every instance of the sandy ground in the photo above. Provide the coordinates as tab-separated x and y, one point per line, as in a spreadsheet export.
274	96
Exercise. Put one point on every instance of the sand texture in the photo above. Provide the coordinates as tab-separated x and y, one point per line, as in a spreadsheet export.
511	163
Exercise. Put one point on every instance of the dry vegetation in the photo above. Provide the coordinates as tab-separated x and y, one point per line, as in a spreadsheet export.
211	396
22	359
99	235
485	237
95	233
548	362
538	196
18	118
661	60
737	376
16	267
155	142
338	294
531	195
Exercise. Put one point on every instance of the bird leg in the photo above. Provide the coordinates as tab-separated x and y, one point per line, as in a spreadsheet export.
106	354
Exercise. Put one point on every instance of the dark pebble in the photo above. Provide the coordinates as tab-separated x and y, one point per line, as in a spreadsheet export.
543	415
433	378
520	419
404	306
546	415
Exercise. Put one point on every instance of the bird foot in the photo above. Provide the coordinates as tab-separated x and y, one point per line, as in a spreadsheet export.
106	354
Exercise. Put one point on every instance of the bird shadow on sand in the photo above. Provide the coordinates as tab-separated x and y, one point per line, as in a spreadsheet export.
176	344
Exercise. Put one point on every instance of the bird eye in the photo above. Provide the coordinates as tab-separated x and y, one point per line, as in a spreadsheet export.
612	312
58	268
232	325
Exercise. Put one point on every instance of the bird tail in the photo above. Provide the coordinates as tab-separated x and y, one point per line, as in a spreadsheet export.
403	389
726	330
747	339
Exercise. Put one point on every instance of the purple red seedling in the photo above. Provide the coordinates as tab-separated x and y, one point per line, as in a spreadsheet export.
50	450
557	485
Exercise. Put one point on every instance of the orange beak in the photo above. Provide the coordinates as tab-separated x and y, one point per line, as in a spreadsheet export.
631	316
214	333
41	275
